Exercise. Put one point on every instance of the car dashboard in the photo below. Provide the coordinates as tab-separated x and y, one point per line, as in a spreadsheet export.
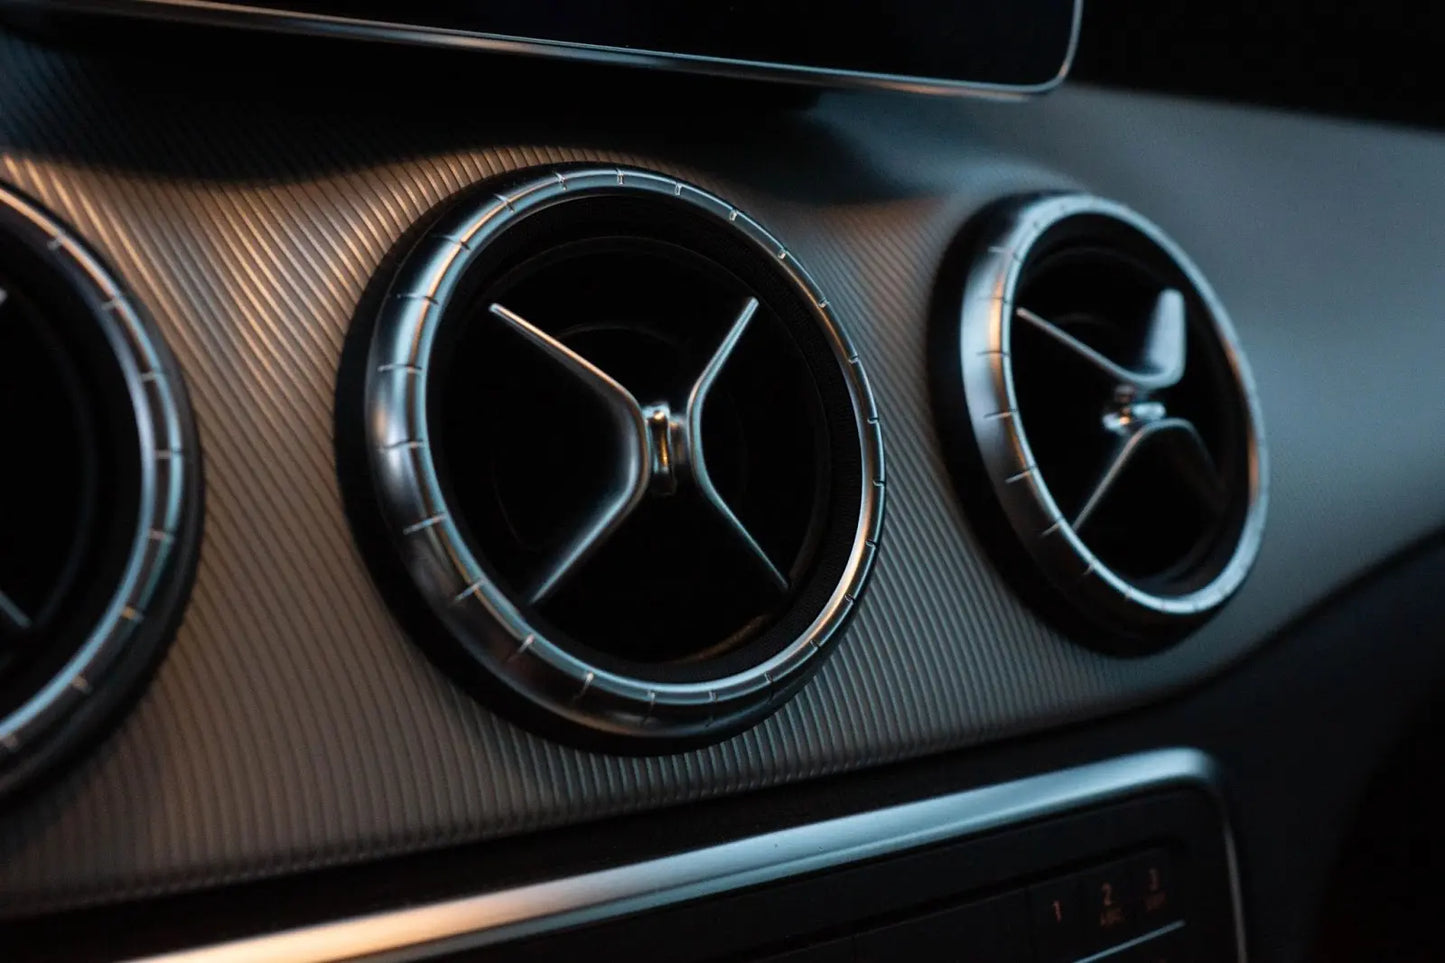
587	510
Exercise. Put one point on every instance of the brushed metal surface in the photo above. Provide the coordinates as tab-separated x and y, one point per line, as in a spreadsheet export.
293	726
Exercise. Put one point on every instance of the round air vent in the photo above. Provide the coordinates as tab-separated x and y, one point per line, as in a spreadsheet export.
1104	416
611	455
98	500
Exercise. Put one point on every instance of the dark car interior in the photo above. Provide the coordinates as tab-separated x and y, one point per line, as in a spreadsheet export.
718	482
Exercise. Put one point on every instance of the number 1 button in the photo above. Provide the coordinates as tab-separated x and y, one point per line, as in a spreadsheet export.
1055	911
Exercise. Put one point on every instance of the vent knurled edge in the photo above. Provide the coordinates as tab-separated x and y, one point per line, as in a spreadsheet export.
137	619
1082	589
441	564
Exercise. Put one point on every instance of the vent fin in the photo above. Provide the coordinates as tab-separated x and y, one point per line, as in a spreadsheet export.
696	399
1187	452
630	474
1162	357
12	620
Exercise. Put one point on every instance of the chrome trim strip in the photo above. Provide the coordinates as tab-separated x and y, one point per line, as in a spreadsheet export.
495	917
245	16
1148	937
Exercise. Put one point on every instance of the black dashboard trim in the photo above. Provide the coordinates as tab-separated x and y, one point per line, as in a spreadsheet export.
245	16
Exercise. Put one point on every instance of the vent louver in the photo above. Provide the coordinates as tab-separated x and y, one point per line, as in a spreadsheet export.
97	500
629	466
1109	409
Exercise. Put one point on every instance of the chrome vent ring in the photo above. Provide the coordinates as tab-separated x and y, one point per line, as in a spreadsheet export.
1109	415
538	424
101	516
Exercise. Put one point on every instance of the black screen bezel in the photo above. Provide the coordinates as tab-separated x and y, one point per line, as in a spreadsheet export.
987	38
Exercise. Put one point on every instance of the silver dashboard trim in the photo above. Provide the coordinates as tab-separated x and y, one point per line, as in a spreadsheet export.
1115	952
245	16
492	918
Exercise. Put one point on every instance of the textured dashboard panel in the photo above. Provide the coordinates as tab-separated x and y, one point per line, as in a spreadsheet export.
293	726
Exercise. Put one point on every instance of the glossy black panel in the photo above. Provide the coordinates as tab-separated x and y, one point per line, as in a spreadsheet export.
1009	43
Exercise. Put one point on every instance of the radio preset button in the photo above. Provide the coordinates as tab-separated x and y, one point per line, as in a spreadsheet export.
1152	877
1056	911
1111	913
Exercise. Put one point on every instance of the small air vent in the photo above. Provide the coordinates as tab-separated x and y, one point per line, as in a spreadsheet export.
1110	410
628	463
96	522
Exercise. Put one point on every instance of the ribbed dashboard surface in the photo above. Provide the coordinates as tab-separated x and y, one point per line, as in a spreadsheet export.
293	725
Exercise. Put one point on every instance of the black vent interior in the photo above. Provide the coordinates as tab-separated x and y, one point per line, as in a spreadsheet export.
647	294
69	490
1170	516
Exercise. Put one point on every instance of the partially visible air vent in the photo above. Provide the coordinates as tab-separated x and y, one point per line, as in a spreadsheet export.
96	518
1113	417
627	461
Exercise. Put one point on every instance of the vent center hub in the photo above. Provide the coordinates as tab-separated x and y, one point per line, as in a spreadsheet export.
667	448
1129	414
